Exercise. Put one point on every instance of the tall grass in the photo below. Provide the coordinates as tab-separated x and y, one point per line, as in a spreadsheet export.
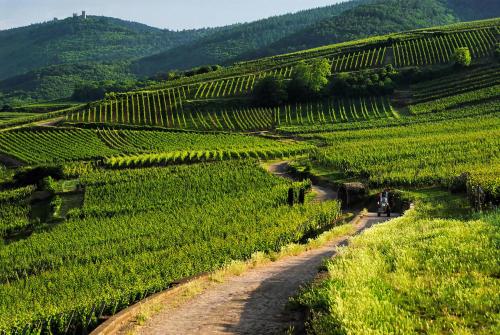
413	275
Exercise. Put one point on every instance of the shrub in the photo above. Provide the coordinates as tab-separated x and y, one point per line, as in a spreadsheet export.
462	57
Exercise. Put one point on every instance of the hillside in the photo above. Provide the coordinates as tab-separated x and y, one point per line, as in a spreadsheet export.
227	44
347	21
48	72
378	18
73	40
59	81
148	187
474	10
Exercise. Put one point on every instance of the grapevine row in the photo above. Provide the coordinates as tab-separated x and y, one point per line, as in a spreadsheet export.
440	48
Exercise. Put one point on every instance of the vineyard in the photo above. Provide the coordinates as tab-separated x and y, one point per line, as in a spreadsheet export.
363	59
440	49
474	79
176	104
169	182
426	154
244	119
14	210
76	275
488	93
479	108
9	116
42	146
38	145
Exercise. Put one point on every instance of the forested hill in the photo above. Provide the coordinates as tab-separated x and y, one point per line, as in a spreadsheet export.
342	22
227	44
468	10
104	39
381	18
73	40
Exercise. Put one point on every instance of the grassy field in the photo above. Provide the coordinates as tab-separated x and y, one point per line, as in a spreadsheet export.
432	271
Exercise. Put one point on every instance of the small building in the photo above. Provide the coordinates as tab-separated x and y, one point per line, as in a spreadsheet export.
84	15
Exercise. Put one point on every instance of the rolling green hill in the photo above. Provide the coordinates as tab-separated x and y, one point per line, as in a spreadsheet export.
59	81
48	72
73	40
228	44
379	18
151	186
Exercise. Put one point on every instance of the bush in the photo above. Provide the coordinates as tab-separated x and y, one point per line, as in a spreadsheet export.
36	175
373	82
462	57
309	80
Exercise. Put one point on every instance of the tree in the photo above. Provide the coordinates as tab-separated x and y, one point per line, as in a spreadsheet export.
309	80
270	91
314	75
462	57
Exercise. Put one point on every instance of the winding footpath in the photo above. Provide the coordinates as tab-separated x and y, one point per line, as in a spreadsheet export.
254	302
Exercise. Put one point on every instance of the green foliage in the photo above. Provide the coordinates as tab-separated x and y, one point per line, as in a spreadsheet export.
342	22
456	82
420	154
308	80
35	117
373	18
487	93
314	75
376	82
440	48
139	231
462	57
480	9
38	146
412	275
75	40
60	81
242	41
270	91
42	146
14	210
474	110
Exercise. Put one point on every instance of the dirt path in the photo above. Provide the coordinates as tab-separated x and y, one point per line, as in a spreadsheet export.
322	193
254	302
50	122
